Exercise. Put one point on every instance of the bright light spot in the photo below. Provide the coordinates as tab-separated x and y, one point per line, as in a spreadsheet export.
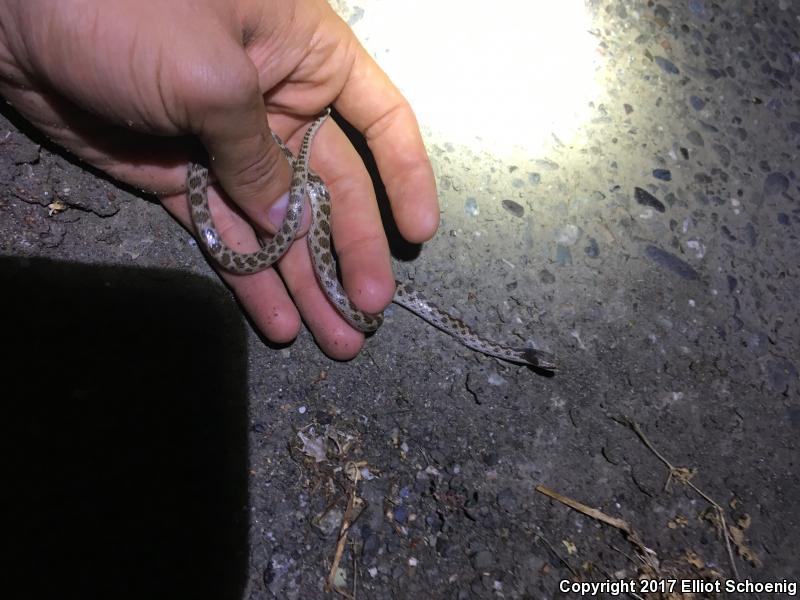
490	75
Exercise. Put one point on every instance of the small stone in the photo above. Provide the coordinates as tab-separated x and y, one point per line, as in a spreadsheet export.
695	138
708	127
698	8
723	153
645	198
775	183
563	255
662	174
401	514
702	178
496	380
568	235
514	208
667	65
697	103
329	523
471	207
592	250
671	262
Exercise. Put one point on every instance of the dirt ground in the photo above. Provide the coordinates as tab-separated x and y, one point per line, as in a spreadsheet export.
159	447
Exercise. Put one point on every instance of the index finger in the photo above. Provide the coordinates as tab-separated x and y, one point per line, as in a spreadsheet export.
373	105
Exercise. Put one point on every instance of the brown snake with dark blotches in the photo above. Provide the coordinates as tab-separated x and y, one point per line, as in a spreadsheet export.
306	182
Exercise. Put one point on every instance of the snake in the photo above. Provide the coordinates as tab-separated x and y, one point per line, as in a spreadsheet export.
306	183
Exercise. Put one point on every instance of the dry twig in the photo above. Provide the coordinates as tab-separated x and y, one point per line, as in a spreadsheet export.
337	557
684	476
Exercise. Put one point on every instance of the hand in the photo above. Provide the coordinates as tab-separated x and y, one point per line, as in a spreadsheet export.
118	82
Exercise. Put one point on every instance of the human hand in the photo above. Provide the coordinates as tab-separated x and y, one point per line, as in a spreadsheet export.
116	82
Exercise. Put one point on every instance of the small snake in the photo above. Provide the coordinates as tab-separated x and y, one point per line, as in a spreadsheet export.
306	182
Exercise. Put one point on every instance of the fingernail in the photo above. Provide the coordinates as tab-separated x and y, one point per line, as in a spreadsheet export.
278	210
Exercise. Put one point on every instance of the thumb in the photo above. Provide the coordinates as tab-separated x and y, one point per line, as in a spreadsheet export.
242	154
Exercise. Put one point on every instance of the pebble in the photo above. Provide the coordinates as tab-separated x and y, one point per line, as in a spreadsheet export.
667	65
645	198
592	250
695	138
662	174
330	522
496	380
671	262
401	514
723	153
698	8
697	102
775	183
563	255
471	207
568	235
514	208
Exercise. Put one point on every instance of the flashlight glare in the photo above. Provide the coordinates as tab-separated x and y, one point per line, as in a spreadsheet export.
496	76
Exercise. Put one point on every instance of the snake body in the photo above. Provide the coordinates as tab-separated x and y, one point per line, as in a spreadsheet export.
306	182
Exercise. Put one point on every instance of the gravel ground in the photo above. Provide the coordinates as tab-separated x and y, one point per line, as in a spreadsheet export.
158	447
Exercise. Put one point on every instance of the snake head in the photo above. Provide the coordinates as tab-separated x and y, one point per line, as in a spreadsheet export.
539	358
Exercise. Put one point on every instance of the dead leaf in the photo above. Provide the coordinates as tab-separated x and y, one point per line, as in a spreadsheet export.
56	207
744	521
678	522
693	559
737	535
313	446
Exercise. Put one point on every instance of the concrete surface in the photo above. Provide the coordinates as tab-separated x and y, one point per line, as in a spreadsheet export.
658	260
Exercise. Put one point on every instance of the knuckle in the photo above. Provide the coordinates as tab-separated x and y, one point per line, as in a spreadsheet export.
255	174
